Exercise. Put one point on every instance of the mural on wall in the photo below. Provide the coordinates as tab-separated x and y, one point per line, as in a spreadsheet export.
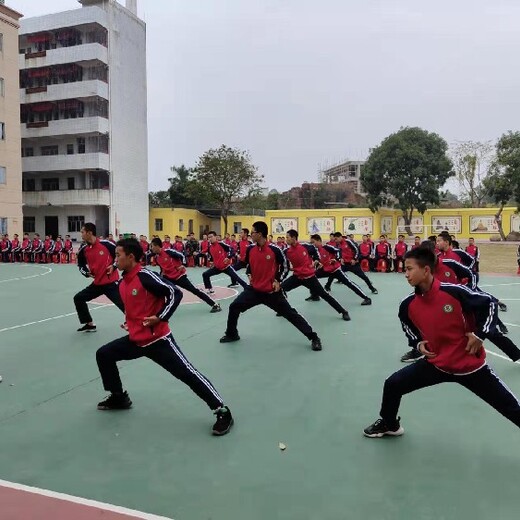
386	225
321	225
515	223
416	225
483	224
358	225
282	225
451	224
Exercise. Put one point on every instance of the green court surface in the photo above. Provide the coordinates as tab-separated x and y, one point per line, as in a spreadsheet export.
458	459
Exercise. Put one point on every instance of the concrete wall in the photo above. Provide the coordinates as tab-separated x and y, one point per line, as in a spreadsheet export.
11	191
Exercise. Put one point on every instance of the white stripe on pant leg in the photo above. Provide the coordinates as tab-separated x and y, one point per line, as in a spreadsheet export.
194	371
503	384
350	283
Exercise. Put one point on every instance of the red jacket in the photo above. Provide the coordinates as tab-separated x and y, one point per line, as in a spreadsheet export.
15	244
167	245
349	250
400	249
37	245
68	245
144	245
95	259
302	257
265	264
473	251
383	250
242	248
26	244
145	294
178	246
330	258
48	245
220	254
443	316
171	263
365	249
204	246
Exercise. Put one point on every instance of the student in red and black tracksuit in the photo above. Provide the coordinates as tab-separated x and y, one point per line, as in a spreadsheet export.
416	243
5	247
150	301
518	259
243	244
349	260
382	251
474	252
96	260
400	250
26	248
451	271
173	268
448	324
365	250
302	258
266	266
202	257
220	255
16	247
68	247
36	248
330	261
56	250
48	248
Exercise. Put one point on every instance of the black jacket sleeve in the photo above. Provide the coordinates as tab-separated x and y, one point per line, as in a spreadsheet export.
462	272
313	252
281	260
172	253
160	287
82	261
412	333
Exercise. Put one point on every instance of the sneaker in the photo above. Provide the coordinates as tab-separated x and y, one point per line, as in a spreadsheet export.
210	291
115	402
216	308
380	429
374	290
367	301
503	329
411	356
345	316
87	328
328	288
316	344
229	339
502	306
312	299
224	421
233	285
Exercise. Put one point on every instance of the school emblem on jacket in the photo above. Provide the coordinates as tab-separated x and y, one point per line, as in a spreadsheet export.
304	253
134	292
447	274
101	252
447	308
268	257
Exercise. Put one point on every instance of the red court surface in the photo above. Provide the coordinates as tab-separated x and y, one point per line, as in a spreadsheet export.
19	502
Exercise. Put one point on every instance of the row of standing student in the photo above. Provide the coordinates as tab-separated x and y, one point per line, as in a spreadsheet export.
447	323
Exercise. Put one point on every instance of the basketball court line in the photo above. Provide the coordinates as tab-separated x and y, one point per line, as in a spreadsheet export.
49	270
499	284
131	513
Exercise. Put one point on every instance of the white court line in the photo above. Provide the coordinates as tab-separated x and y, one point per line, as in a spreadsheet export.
500	356
499	284
511	324
81	501
510	299
49	270
14	327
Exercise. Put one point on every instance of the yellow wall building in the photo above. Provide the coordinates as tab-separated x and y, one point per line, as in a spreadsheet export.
463	222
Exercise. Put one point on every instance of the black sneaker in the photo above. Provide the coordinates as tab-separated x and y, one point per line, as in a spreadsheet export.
229	339
328	288
411	356
380	429
216	308
503	329
115	402
345	316
224	421
87	328
374	290
233	285
502	306
316	344
312	299
367	301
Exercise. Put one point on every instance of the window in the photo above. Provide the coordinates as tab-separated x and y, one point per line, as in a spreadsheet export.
190	226
81	145
1	42
29	185
158	224
2	131
29	224
3	175
181	224
71	183
75	224
51	184
49	150
2	87
3	225
70	149
27	152
237	227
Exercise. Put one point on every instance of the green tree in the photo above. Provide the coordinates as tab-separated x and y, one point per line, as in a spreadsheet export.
180	191
407	171
159	199
223	176
503	184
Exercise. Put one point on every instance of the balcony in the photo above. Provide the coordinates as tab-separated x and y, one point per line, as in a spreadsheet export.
66	198
77	90
86	52
80	126
51	163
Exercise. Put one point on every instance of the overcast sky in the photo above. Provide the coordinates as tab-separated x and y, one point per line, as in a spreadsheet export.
301	83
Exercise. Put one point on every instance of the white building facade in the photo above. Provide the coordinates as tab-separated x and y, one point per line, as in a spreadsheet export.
84	120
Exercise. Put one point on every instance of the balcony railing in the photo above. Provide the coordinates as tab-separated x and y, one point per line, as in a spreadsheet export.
96	197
